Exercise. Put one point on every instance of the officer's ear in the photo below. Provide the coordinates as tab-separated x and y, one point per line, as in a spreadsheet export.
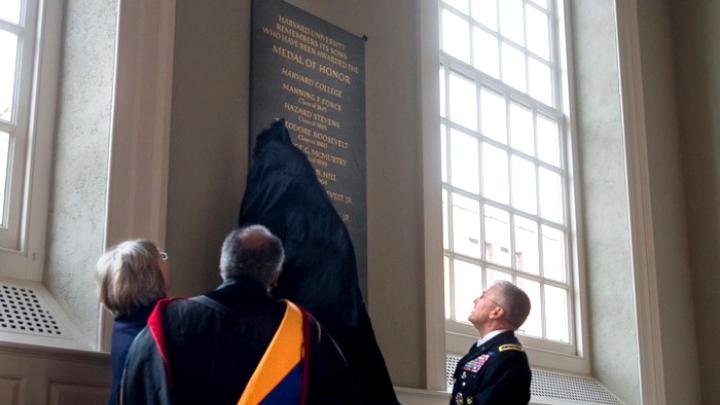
497	313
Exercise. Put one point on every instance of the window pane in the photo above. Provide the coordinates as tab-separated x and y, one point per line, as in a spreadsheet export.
524	195
446	271
8	58
556	314
527	258
553	245
485	12
466	226
533	323
521	129
495	275
511	20
442	92
492	115
551	197
4	153
513	67
538	34
456	36
540	81
460	5
443	153
464	161
468	286
485	52
497	236
10	10
446	225
495	174
548	140
463	101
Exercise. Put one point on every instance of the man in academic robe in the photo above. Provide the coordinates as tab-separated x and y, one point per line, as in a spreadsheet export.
236	344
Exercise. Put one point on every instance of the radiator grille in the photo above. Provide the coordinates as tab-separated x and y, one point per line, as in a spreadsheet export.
548	386
573	388
450	366
22	311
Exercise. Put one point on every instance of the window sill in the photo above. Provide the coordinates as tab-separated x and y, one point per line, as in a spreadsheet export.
426	397
457	343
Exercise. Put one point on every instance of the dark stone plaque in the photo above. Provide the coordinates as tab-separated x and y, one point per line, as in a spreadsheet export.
312	74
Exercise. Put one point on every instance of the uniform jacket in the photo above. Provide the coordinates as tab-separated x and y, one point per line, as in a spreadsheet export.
495	373
211	346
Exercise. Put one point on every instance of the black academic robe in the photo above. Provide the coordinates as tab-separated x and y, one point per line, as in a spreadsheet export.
320	271
204	351
494	373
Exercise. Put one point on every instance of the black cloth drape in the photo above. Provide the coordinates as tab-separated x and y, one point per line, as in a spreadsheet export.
320	270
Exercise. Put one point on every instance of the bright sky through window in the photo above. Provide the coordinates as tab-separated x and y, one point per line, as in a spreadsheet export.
504	171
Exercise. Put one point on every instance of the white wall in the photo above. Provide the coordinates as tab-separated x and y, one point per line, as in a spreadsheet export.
76	224
208	137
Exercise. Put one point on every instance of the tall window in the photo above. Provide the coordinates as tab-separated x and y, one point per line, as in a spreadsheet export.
505	178
17	44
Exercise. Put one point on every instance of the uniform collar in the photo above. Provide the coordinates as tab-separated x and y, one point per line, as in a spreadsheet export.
239	291
489	336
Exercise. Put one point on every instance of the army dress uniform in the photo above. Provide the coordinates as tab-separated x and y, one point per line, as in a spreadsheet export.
495	373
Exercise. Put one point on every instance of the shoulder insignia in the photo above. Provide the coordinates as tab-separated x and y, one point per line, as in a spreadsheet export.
510	346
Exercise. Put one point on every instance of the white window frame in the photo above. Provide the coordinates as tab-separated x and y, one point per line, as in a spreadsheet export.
455	337
22	244
18	127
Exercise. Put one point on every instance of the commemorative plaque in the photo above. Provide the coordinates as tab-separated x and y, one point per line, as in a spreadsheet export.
312	74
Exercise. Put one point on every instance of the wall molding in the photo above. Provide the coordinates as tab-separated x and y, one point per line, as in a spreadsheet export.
431	184
55	353
652	380
140	140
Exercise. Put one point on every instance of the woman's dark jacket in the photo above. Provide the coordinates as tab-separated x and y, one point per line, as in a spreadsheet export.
125	328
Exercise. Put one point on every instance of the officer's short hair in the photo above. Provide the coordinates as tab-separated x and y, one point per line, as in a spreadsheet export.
129	277
515	303
254	252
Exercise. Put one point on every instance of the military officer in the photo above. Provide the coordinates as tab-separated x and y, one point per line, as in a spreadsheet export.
496	369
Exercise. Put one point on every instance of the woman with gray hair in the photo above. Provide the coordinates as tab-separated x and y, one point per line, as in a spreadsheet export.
131	277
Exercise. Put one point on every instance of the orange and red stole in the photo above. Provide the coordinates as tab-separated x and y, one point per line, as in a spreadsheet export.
281	377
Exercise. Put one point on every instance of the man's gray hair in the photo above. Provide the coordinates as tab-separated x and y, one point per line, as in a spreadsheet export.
515	303
254	252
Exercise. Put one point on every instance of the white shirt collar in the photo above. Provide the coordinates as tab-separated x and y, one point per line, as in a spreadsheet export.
489	336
